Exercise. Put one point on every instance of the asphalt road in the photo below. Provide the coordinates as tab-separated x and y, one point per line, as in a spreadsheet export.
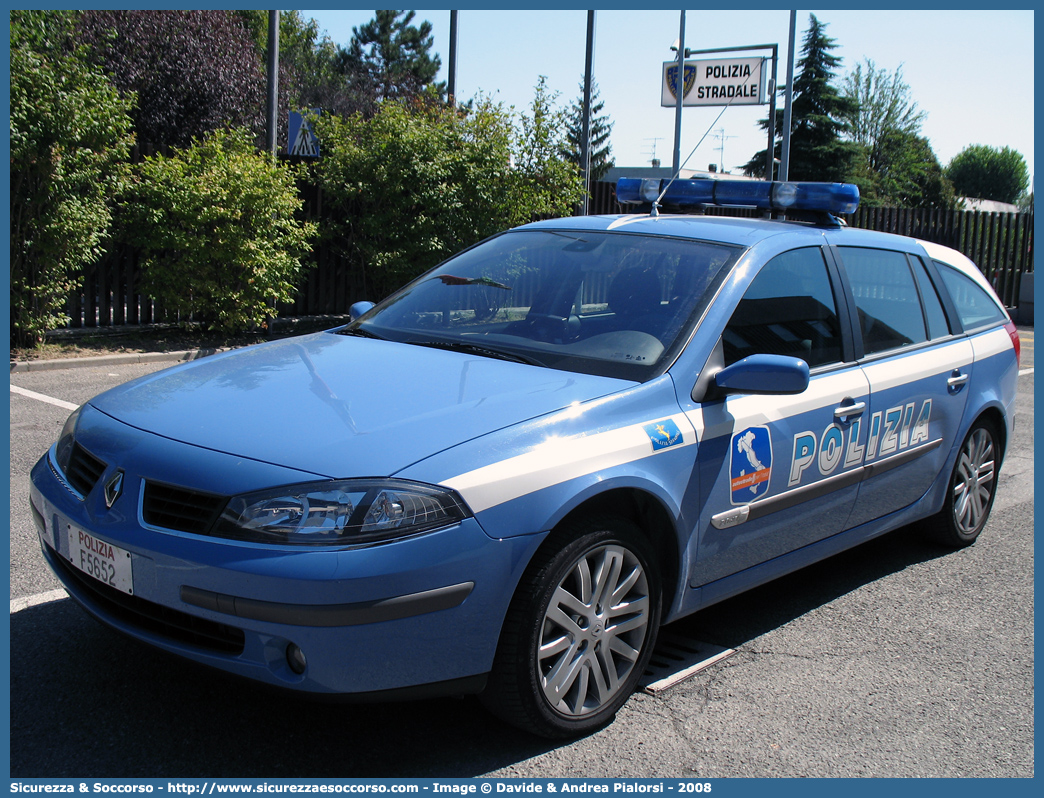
895	659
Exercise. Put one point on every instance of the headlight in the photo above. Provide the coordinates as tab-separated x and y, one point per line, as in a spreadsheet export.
341	513
63	449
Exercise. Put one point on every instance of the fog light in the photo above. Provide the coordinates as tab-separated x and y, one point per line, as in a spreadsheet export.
295	658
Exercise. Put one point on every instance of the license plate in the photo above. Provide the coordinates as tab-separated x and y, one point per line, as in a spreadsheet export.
103	561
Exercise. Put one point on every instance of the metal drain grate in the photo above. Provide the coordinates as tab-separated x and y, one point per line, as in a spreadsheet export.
677	658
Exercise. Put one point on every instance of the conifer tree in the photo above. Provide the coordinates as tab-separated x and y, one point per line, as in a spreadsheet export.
601	127
817	150
393	54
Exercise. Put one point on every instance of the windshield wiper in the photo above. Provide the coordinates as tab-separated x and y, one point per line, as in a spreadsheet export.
566	235
475	349
359	331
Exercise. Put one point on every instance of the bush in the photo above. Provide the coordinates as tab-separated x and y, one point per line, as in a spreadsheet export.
70	134
215	224
419	181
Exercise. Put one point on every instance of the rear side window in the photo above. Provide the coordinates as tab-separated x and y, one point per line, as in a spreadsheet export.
975	306
788	310
890	313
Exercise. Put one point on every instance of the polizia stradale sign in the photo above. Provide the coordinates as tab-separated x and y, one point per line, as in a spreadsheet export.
730	81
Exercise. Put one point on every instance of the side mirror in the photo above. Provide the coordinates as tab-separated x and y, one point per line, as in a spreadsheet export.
763	374
358	309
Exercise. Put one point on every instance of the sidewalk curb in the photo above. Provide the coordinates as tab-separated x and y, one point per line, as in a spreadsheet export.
113	360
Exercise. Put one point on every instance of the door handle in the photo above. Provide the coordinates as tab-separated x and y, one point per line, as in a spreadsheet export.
844	411
957	380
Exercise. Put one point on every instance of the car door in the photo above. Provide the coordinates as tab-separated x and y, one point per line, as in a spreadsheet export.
772	468
917	372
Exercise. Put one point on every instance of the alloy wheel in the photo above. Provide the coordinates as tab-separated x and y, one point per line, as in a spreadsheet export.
593	630
973	481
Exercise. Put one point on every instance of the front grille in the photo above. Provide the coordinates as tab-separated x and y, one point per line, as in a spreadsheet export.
84	469
180	509
148	616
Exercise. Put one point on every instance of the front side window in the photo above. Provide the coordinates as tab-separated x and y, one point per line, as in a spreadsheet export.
614	304
890	312
788	309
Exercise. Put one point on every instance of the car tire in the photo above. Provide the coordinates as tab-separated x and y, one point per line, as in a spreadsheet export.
568	658
971	489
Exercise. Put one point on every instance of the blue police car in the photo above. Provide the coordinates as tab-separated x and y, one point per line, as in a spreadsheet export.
506	476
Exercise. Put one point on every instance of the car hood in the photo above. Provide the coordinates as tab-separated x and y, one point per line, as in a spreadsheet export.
341	406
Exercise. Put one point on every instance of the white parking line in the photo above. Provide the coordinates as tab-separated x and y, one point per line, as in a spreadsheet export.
1024	372
24	603
40	397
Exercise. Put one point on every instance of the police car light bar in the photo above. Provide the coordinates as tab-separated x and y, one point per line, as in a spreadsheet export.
824	197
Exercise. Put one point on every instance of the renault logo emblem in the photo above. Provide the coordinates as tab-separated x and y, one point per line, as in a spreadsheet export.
113	489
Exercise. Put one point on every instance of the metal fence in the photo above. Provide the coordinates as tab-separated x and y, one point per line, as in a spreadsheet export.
1000	243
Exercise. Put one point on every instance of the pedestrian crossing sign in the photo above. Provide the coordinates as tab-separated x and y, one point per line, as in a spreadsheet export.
301	140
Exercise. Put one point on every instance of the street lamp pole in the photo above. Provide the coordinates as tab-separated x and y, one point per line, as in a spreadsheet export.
451	88
273	82
784	156
585	134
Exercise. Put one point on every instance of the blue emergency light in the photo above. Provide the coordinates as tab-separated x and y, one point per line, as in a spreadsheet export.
822	197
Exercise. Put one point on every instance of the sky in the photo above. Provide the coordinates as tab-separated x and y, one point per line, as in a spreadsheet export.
972	72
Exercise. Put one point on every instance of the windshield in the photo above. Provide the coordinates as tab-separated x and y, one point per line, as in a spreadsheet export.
614	304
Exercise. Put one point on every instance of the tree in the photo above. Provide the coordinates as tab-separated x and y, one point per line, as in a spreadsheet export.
298	38
392	55
419	181
600	129
216	226
897	166
311	72
545	179
908	175
192	71
70	133
879	104
989	173
817	150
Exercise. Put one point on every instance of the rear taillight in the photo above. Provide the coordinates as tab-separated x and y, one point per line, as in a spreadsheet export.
1013	333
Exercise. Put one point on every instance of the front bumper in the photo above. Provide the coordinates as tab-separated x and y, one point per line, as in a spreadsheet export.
406	613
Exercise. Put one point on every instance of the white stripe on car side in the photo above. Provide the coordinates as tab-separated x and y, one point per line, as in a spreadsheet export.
905	369
758	410
992	343
558	460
